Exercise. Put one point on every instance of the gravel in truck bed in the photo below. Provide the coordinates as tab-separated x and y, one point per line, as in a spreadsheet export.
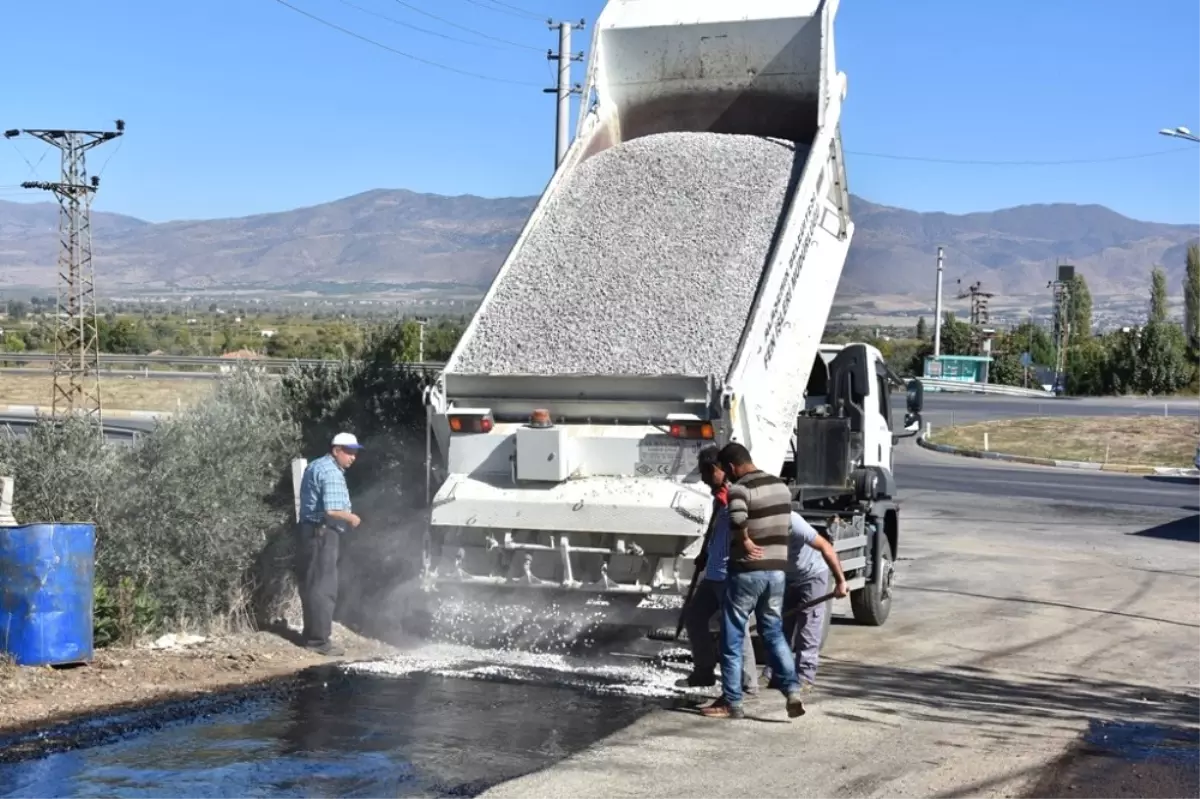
645	263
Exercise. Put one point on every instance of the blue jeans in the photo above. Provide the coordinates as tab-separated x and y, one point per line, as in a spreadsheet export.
762	593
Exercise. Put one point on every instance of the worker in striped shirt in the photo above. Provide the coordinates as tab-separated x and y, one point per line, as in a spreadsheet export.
706	601
760	507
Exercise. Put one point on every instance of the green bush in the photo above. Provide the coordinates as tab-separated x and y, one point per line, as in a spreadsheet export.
122	614
180	514
194	519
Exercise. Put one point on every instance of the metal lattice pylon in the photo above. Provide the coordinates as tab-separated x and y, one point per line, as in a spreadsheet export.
76	334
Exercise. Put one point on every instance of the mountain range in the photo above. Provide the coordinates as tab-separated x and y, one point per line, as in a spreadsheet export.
400	238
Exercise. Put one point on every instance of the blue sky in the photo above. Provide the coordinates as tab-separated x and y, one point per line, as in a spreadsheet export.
244	106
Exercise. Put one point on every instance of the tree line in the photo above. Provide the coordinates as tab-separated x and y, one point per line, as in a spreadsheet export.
325	338
1157	357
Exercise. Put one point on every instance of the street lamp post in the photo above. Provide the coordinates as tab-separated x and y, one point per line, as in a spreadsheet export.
1183	133
1180	133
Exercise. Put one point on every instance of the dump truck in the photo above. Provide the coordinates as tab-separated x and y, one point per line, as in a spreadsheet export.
668	292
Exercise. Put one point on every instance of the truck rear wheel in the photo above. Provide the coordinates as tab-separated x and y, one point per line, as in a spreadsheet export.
872	603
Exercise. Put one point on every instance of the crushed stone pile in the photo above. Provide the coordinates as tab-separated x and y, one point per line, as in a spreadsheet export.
645	263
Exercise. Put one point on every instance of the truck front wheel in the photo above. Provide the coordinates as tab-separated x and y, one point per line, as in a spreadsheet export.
872	603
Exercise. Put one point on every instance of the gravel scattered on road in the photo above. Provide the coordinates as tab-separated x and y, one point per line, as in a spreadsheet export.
646	262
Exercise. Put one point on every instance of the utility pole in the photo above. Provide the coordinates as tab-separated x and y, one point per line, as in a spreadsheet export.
1062	323
76	338
937	310
564	89
979	309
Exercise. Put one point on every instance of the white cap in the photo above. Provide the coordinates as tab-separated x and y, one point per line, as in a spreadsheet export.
346	440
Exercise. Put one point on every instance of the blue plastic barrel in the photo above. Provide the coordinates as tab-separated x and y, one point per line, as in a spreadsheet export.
46	577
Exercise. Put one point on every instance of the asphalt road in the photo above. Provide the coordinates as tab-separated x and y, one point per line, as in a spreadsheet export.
122	430
1034	609
951	409
1021	635
111	373
920	470
1042	642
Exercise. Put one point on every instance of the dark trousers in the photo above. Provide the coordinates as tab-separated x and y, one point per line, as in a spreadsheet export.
317	574
706	602
803	629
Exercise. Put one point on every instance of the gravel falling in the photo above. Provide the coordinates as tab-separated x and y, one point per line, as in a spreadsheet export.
630	678
645	263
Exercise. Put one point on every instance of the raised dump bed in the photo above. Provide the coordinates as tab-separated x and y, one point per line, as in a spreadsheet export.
646	261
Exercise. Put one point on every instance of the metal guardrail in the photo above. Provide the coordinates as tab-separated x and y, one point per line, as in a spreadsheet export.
107	359
958	386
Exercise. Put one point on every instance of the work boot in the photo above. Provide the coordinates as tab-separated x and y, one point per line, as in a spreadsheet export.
720	709
795	704
327	648
694	680
771	683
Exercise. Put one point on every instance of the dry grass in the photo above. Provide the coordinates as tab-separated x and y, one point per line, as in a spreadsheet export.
119	393
1132	440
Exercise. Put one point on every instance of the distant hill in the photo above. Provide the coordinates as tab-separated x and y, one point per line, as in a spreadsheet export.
398	237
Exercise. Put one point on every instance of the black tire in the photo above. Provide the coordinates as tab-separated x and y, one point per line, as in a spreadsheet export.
872	603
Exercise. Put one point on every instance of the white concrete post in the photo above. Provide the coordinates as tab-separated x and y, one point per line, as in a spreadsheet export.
298	467
6	498
985	442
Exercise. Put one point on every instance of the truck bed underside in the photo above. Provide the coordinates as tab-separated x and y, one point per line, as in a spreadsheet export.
613	535
621	506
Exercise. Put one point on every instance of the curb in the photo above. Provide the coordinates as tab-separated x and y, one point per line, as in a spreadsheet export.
42	410
1122	468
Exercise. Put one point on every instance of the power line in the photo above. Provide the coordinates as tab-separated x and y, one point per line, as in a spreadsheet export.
445	21
976	162
404	24
518	8
403	54
505	8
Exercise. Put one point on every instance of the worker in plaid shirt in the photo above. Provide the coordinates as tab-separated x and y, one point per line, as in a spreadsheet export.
325	512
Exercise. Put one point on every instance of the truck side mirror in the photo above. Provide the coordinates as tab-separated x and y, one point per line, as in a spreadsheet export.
916	396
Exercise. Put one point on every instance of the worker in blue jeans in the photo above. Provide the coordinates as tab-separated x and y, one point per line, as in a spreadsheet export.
710	591
760	519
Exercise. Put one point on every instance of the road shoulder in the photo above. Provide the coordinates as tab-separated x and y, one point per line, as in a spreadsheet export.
1164	471
129	678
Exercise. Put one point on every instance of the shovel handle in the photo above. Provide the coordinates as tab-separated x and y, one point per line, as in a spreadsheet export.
810	604
683	611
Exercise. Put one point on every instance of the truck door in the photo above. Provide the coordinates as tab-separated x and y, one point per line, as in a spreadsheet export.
882	424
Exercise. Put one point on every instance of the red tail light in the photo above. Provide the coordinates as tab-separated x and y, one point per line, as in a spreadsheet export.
471	422
691	430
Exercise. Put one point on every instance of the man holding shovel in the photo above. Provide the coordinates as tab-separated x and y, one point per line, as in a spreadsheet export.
811	560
